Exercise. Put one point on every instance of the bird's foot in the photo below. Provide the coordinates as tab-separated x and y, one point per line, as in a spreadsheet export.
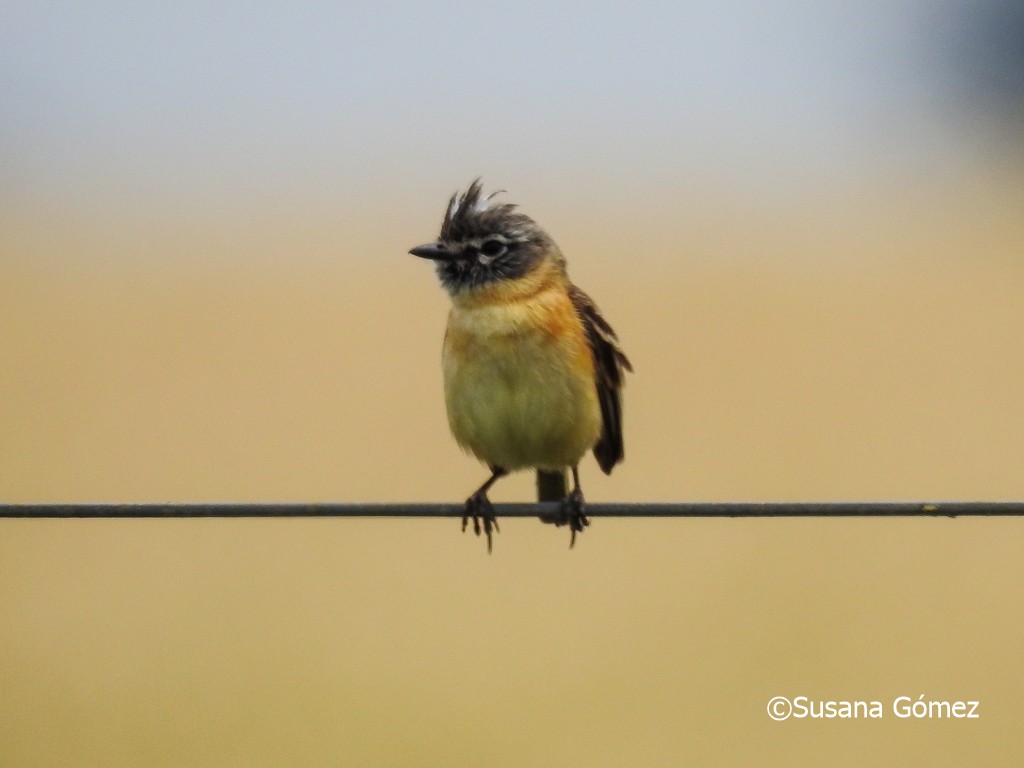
479	509
572	512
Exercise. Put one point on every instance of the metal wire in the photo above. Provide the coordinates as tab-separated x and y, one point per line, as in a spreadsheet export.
545	510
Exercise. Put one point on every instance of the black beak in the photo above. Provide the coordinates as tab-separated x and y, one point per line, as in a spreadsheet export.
435	251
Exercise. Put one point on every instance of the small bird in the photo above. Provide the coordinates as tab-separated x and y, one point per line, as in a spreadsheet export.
532	371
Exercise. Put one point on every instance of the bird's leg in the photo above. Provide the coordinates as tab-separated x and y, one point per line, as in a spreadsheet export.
572	509
478	507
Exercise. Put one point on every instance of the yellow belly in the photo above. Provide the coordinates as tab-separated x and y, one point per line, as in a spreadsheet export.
519	384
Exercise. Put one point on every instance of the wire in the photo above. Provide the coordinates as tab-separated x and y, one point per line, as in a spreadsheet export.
546	510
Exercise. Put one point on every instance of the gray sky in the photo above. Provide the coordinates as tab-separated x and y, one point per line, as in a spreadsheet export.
196	103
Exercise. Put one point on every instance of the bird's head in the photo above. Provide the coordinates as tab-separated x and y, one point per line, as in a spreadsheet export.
484	242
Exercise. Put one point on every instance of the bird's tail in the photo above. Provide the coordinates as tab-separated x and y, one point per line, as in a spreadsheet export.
551	485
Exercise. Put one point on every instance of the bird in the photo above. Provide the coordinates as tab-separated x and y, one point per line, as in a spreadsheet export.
533	373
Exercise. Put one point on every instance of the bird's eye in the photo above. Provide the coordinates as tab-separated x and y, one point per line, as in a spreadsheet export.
492	248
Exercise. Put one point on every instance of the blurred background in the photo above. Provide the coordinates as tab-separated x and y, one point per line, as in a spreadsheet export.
805	222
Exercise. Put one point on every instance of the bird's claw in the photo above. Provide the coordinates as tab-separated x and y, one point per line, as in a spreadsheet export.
479	509
572	512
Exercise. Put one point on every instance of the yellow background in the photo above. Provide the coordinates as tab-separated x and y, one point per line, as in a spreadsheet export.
850	337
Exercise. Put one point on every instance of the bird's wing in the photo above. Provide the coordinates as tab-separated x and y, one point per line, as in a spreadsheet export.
609	363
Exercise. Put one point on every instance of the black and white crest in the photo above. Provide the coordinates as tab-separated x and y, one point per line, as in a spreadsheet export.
472	215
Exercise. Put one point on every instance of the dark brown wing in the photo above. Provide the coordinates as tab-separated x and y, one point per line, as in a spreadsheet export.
609	363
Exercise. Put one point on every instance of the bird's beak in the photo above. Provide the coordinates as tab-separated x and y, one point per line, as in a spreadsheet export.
435	251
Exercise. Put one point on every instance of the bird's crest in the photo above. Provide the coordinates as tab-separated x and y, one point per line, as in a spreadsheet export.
472	214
